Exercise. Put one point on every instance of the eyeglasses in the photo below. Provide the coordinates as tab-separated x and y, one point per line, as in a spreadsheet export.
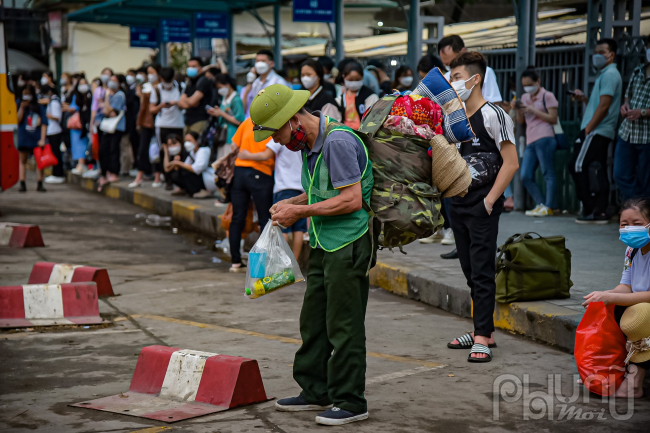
264	128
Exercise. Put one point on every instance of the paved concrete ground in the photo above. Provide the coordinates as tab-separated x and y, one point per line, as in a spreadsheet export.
171	292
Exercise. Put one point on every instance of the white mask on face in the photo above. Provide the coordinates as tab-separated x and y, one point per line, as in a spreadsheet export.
531	89
223	91
353	85
130	79
152	78
139	78
174	150
463	92
189	146
447	67
104	78
262	67
83	88
63	81
21	83
308	82
27	97
406	81
43	81
327	76
251	76
112	85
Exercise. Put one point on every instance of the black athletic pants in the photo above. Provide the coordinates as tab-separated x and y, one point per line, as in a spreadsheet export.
55	143
188	181
109	152
476	241
143	163
246	183
592	183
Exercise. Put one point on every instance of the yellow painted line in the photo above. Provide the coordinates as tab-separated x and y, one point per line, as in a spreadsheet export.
390	278
142	200
152	430
89	184
183	210
378	355
112	192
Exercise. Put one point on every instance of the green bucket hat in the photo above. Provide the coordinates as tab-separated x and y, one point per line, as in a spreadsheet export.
273	107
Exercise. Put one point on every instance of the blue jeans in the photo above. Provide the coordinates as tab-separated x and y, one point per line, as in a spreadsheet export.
540	152
632	169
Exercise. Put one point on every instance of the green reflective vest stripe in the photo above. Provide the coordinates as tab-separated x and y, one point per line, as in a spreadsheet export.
335	232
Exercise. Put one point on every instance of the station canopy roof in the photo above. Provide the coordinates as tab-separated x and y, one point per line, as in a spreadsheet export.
149	13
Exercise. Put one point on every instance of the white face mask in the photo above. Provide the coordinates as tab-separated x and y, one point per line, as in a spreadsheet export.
174	150
112	85
262	67
531	89
327	76
189	146
251	76
104	78
463	92
21	83
308	82
63	81
130	79
406	81
447	67
83	88
152	78
139	78
44	81
353	85
223	91
27	97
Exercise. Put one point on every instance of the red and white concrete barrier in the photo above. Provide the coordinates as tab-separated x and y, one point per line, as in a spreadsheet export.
171	384
48	305
59	273
20	235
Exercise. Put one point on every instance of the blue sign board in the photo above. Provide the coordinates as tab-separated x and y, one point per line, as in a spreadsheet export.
144	37
314	11
176	30
211	25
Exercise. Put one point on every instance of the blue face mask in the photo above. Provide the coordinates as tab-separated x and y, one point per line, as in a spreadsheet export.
191	72
635	236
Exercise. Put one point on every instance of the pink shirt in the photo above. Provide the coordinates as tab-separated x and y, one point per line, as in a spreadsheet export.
536	128
98	98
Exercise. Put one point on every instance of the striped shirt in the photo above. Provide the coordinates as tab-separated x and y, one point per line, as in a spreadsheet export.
638	93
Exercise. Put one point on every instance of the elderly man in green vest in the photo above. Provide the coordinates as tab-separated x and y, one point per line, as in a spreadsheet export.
330	366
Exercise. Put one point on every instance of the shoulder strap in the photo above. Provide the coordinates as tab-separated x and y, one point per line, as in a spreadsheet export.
544	101
634	251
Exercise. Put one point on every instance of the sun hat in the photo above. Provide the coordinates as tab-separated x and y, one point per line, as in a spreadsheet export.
449	170
635	324
273	107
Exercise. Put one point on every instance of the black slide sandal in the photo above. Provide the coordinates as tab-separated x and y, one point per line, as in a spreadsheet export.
480	348
466	342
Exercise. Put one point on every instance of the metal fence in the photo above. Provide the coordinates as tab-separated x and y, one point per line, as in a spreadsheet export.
560	68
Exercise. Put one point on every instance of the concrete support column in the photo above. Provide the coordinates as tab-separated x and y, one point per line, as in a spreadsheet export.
414	50
277	21
232	47
338	22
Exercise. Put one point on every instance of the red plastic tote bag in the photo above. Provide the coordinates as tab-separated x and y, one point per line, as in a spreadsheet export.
600	350
44	157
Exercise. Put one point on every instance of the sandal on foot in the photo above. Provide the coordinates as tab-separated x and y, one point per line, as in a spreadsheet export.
466	342
480	348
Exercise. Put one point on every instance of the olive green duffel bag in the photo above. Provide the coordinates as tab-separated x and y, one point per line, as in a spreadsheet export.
533	269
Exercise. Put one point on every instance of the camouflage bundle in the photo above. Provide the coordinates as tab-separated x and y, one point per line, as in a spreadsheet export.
405	204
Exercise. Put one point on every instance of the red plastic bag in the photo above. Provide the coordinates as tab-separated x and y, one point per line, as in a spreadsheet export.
44	157
600	350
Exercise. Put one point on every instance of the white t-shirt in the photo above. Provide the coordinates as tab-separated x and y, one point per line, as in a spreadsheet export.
171	117
200	162
54	109
288	168
491	91
636	272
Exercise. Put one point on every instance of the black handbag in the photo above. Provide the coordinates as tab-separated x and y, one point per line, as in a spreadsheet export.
484	167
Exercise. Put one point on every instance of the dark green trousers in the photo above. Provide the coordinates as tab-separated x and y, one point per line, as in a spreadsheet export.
330	366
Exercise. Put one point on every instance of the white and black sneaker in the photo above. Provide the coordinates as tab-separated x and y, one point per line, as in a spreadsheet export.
338	416
297	404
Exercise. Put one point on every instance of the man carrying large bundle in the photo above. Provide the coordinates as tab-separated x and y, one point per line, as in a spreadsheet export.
330	366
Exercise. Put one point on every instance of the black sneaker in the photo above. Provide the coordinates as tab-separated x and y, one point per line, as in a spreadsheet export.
594	218
23	186
40	187
297	404
451	255
337	416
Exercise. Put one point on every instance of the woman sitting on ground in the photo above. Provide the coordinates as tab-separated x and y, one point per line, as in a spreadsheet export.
635	282
193	176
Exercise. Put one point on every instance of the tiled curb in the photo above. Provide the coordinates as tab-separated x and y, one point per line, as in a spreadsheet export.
542	321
